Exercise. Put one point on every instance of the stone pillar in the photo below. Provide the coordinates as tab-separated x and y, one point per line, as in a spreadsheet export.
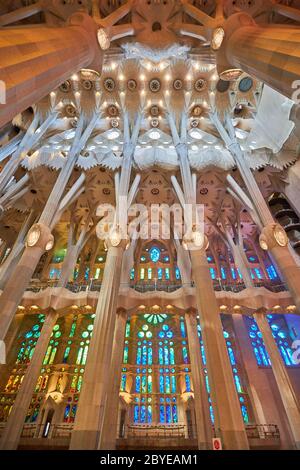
203	422
287	393
36	60
16	285
229	423
110	418
94	391
15	423
269	53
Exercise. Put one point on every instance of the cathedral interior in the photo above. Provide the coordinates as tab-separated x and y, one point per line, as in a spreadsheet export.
177	334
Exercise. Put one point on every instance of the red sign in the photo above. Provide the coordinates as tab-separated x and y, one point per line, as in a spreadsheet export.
217	444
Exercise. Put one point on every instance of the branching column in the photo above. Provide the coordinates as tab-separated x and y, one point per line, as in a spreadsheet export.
204	425
110	420
89	418
34	61
287	393
16	285
280	251
13	429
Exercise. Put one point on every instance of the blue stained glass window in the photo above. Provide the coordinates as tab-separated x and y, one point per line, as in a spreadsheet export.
123	383
272	273
245	414
166	355
168	414
167	274
239	273
161	384
182	328
187	383
159	274
231	355
173	384
138	384
139	355
223	272
162	413
149	273
177	273
143	414
86	275
185	355
132	274
281	335
174	414
212	273
136	413
258	273
233	273
149	414
154	254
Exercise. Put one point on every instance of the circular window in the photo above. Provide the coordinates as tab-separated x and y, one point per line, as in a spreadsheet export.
222	86
245	84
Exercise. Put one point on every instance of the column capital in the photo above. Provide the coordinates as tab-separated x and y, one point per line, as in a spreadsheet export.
273	235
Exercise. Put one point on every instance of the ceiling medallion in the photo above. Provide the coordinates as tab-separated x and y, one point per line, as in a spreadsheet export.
154	85
114	122
154	110
70	110
131	85
87	85
177	84
203	191
194	123
155	191
109	84
154	122
65	87
197	111
200	84
112	110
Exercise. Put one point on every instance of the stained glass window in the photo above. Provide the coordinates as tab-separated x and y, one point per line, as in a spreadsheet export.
212	273
281	335
29	341
154	254
177	274
272	273
155	318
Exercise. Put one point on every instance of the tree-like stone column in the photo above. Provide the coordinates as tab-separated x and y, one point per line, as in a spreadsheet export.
35	61
273	237
203	422
110	419
13	429
229	423
287	393
95	387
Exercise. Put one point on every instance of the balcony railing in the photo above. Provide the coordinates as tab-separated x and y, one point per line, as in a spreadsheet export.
94	285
